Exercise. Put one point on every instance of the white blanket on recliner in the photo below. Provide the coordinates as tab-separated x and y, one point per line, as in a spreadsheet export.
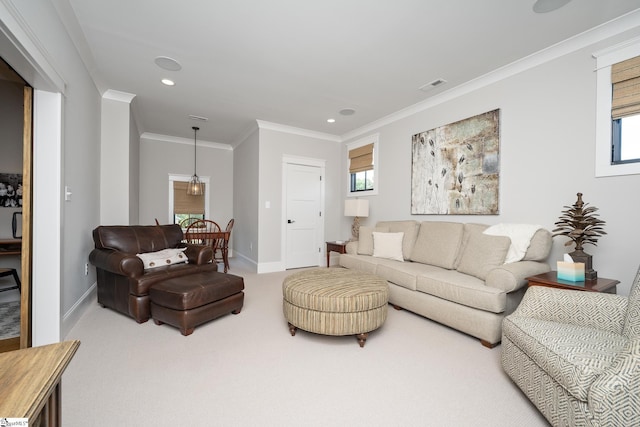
520	235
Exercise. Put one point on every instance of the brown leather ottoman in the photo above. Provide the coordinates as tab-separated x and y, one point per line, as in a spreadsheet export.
188	301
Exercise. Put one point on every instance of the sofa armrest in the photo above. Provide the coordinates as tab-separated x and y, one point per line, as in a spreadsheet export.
117	262
199	254
588	309
613	397
513	276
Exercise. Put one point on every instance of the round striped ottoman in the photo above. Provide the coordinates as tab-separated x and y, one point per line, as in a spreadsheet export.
335	301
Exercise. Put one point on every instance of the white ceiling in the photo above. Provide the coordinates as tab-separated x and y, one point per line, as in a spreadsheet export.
298	62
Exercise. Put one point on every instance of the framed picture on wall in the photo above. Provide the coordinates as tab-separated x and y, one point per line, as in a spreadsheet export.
10	190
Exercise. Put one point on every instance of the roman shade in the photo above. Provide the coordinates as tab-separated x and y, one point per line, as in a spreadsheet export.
184	203
361	159
625	78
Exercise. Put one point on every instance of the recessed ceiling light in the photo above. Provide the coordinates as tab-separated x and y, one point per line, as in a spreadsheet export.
331	120
545	6
347	111
167	63
168	82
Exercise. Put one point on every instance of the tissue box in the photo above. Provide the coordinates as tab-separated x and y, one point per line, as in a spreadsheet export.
571	271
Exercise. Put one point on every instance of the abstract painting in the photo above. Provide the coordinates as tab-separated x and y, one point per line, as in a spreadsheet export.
456	167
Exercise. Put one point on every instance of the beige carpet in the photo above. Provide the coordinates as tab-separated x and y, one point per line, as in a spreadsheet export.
247	370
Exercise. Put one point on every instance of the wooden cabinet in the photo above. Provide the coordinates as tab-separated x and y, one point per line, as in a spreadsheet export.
30	382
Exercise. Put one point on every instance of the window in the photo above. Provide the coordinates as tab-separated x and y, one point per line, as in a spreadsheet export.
186	207
618	110
183	207
363	165
625	111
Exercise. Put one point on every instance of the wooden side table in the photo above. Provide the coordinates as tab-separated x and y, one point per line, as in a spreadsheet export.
550	279
340	247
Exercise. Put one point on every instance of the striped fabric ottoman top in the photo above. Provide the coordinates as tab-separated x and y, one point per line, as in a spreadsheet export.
335	301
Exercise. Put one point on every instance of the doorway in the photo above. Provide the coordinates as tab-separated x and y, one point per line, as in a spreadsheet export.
304	212
15	208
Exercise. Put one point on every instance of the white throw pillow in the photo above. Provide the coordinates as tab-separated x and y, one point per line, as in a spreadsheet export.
365	239
163	257
388	245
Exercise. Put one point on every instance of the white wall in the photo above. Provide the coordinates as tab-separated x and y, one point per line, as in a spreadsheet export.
37	46
159	159
547	156
245	198
273	146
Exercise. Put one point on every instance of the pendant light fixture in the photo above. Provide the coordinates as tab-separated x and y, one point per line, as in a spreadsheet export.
195	187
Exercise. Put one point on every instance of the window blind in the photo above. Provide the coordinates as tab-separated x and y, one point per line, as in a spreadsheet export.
185	204
361	159
625	77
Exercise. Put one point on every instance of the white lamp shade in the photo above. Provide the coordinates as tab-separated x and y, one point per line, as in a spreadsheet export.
356	207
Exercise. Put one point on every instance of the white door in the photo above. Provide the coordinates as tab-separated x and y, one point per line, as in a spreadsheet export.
303	215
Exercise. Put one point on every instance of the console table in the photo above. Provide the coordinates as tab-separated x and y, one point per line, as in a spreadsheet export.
30	382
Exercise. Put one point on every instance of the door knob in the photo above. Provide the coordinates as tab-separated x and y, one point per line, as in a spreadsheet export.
290	221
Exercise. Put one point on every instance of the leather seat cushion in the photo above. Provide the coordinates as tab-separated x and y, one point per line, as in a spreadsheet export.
195	290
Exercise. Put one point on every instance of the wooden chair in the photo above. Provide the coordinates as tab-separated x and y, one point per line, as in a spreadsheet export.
203	232
221	252
185	223
11	272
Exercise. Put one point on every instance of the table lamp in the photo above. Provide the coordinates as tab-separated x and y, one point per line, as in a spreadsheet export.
357	208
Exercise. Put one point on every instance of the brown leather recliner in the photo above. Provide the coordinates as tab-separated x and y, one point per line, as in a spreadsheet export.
123	283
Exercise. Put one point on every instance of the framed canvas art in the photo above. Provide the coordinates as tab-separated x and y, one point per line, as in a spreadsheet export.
456	167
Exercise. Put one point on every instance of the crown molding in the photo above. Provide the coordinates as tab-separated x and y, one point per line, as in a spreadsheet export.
24	40
262	124
186	141
116	95
590	37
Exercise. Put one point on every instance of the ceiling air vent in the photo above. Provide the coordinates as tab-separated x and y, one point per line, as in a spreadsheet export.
432	85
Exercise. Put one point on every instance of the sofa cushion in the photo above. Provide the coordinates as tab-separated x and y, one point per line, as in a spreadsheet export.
461	288
365	239
364	263
520	235
404	274
438	243
540	246
134	239
164	257
469	229
388	245
410	230
573	355
483	253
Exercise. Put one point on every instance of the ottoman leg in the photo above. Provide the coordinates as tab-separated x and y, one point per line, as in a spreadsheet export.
236	311
362	339
292	329
158	322
186	331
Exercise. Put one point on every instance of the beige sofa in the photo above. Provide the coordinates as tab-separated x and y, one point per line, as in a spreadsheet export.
451	272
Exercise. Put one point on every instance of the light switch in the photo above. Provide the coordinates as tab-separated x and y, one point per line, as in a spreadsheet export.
267	205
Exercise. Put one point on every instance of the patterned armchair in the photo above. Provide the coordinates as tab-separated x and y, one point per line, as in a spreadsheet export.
576	355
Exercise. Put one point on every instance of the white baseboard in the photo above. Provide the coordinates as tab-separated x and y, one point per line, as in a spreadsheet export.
72	316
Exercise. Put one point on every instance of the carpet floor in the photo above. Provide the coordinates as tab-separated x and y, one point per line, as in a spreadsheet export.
247	370
9	319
